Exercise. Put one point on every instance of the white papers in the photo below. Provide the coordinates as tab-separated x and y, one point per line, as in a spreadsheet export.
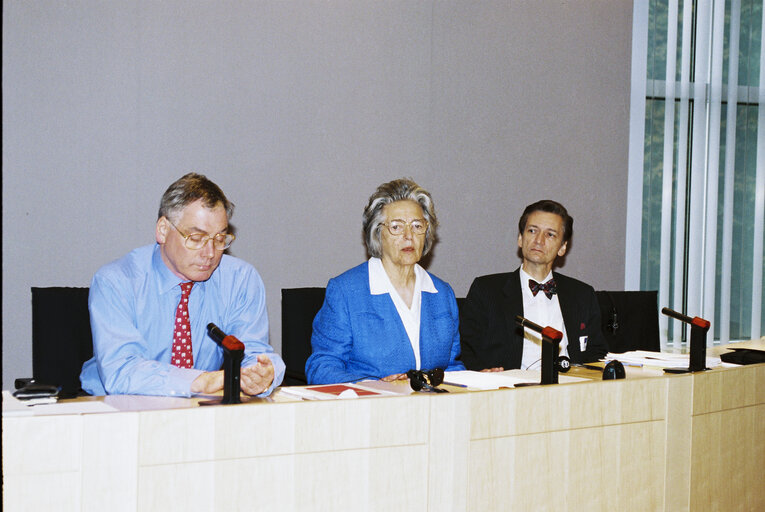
658	359
485	380
496	380
362	389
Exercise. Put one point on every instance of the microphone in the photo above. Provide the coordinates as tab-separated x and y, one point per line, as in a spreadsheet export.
418	380
548	333
699	328
233	353
228	342
551	339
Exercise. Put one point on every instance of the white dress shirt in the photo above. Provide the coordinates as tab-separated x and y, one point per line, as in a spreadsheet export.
545	312
380	283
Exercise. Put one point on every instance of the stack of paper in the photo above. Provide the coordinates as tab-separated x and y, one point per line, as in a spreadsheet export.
658	359
495	380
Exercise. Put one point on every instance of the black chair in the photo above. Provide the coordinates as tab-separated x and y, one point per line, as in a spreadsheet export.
630	320
460	304
61	337
299	307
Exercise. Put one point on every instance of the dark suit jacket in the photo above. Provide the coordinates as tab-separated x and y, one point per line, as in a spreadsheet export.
490	336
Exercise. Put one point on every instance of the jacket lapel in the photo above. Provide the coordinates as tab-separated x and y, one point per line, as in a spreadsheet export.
567	302
512	304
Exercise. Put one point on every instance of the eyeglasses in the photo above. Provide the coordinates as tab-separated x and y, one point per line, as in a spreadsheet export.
196	241
427	380
397	227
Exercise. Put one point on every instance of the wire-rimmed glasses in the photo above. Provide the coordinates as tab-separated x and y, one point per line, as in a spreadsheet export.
196	241
397	227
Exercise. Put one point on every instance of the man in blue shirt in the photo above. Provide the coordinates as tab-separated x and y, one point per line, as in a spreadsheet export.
144	306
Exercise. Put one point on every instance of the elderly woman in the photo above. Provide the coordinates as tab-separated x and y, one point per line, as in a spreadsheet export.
388	315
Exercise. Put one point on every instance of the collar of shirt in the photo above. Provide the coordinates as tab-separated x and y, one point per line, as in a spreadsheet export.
379	282
525	278
166	280
542	311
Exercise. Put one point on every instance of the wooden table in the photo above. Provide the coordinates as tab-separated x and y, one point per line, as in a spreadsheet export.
674	442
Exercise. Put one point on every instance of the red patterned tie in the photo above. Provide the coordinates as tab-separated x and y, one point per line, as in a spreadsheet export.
182	355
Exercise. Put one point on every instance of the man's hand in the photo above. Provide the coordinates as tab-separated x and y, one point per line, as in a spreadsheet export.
257	378
208	383
254	379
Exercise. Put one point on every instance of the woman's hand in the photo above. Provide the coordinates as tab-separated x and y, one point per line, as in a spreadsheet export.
394	377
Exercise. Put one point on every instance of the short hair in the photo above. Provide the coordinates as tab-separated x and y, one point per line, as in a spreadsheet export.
397	190
190	188
549	206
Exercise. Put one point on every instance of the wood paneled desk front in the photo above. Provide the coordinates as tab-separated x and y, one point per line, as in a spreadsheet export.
676	442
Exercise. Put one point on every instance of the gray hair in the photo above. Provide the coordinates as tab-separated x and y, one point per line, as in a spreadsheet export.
397	190
190	188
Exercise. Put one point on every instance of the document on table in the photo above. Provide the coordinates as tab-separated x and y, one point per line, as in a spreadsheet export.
496	380
363	389
658	359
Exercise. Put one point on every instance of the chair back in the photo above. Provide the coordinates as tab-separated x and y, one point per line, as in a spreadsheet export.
61	337
299	307
630	320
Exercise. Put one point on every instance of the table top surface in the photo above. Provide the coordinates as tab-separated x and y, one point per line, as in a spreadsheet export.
123	403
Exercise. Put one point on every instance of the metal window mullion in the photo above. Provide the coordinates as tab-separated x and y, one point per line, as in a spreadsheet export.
699	152
682	175
759	199
633	240
730	171
713	161
667	163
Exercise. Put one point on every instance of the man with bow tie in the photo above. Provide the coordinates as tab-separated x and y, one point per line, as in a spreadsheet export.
492	340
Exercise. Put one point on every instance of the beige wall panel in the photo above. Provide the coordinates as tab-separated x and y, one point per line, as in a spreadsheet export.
55	492
242	432
51	444
727	460
449	452
678	443
377	479
349	424
171	439
544	471
256	484
728	389
189	487
529	410
110	462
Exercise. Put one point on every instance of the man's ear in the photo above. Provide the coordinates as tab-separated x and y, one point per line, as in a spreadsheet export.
562	249
520	240
162	228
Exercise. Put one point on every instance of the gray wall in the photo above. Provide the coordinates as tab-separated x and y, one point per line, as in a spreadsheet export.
299	110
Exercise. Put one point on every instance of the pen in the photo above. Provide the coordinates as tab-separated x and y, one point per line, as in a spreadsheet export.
454	384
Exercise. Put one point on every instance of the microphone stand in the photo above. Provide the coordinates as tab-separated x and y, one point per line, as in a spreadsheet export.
233	353
697	360
551	339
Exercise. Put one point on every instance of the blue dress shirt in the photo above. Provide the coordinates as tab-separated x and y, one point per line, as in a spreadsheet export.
358	335
132	305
